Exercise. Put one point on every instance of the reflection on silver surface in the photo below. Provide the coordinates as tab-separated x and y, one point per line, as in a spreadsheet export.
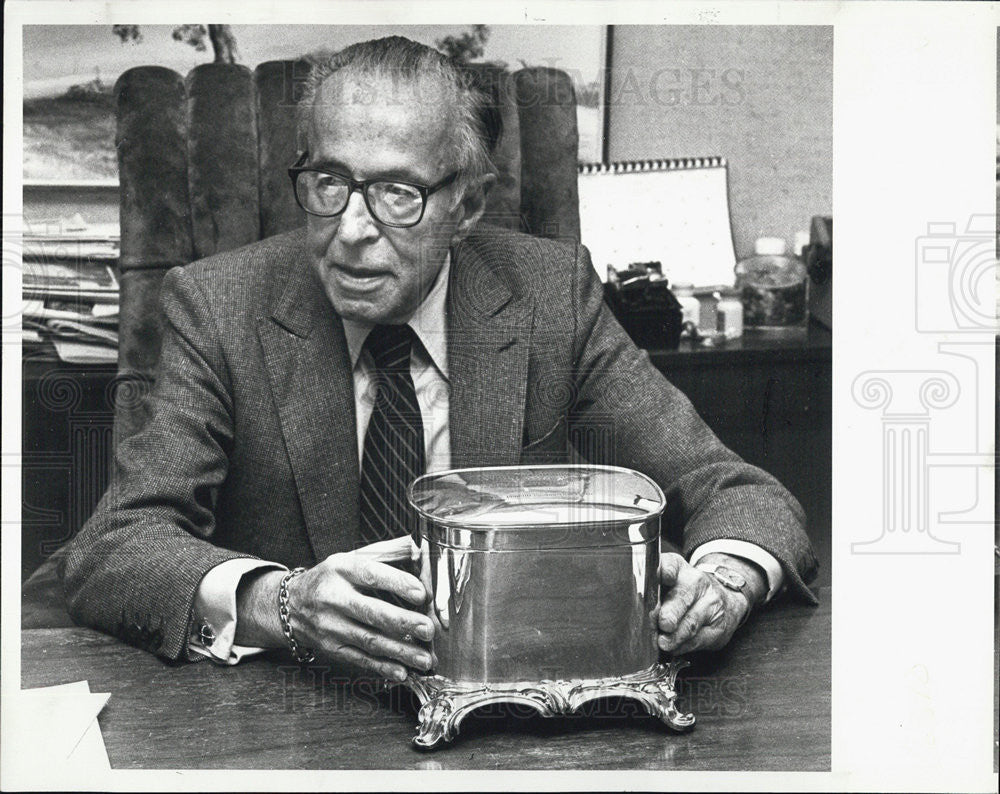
576	613
544	590
545	571
445	703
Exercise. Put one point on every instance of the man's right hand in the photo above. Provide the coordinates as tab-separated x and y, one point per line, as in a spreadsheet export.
334	614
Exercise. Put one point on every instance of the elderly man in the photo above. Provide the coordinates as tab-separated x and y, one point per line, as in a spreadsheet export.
306	379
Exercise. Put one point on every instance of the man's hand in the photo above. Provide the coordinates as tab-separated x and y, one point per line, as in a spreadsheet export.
697	612
334	613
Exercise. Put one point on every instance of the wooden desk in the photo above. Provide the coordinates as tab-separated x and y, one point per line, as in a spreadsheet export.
761	704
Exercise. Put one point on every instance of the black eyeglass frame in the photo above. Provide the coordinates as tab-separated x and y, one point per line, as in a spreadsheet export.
425	191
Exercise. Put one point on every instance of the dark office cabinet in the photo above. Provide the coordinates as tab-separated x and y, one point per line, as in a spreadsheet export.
67	424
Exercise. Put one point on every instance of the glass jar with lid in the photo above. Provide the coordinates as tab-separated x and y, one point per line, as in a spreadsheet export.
773	287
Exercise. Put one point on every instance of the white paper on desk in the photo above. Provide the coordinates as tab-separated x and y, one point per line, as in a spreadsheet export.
675	212
56	731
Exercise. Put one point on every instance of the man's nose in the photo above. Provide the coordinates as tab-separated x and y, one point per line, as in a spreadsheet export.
356	223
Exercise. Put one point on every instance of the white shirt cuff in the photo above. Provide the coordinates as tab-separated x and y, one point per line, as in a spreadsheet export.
213	624
748	551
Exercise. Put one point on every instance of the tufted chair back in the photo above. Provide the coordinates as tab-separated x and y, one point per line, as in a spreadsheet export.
202	169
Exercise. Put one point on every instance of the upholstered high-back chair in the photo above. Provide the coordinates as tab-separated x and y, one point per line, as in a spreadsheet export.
202	168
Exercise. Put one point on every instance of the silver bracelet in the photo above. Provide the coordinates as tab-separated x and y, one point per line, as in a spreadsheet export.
302	655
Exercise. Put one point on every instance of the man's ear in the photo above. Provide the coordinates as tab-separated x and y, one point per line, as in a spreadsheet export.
472	205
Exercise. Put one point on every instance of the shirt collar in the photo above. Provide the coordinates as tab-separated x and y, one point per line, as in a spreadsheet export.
427	322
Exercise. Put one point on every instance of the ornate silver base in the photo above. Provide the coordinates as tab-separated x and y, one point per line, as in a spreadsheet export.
445	703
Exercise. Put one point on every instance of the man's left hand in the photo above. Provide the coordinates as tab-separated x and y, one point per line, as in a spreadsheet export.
697	612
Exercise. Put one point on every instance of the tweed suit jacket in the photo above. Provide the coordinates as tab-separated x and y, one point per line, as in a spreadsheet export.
251	447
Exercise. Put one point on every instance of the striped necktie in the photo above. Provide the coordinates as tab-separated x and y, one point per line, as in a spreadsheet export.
394	441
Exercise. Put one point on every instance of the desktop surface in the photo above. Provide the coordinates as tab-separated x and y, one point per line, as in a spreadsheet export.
762	703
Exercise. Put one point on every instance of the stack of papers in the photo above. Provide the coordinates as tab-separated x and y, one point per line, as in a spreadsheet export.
53	735
71	290
81	333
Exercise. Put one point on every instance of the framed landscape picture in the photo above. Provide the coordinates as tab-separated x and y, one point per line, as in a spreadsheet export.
70	72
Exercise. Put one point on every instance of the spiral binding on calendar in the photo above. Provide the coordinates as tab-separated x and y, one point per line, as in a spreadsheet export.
633	166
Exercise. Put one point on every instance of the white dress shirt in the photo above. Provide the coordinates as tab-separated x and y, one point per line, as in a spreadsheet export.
214	608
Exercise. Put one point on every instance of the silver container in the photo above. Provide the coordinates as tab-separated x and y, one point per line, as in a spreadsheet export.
544	590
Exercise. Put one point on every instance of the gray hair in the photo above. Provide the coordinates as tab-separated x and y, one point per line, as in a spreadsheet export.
476	127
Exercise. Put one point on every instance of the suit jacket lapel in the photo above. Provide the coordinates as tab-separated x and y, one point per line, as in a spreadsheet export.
305	351
310	374
489	336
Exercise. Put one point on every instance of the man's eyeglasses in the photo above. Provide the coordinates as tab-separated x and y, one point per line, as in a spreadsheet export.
326	193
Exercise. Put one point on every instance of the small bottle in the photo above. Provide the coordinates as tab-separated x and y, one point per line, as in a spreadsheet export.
690	305
728	314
